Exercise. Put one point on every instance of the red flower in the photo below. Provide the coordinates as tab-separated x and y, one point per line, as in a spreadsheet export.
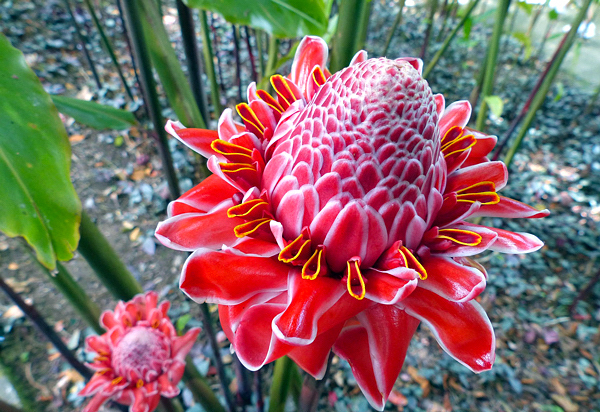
335	217
140	357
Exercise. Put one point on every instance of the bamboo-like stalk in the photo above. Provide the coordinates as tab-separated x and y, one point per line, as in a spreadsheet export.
200	389
133	20
209	64
433	5
238	65
282	377
130	51
77	297
392	30
216	52
548	78
260	403
311	389
244	385
258	35
83	41
351	32
273	53
490	66
444	16
190	48
108	47
100	255
250	54
212	339
37	319
448	39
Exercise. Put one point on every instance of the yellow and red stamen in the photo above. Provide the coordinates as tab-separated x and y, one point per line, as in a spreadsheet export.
315	265
250	119
354	279
287	92
298	251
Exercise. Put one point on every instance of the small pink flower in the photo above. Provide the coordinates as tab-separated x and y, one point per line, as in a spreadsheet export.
336	218
140	357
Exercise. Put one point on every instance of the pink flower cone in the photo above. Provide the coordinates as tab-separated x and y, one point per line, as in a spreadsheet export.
335	218
140	357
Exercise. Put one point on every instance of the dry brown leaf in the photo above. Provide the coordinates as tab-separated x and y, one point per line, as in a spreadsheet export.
13	266
565	402
558	387
423	383
135	234
13	313
76	138
138	174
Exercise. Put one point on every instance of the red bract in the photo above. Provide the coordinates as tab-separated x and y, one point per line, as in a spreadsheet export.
140	357
335	217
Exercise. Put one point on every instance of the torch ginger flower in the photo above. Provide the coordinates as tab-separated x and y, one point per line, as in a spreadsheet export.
140	357
335	218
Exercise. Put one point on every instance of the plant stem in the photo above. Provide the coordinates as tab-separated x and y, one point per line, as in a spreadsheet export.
433	4
103	259
200	389
133	19
130	49
83	304
209	64
108	47
258	36
236	53
311	389
190	48
448	39
351	32
490	66
397	21
208	329
244	392
260	403
282	376
272	59
541	94
250	54
83	41
33	315
171	404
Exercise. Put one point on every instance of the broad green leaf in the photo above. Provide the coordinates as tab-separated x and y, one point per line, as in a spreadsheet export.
281	18
168	67
528	8
525	41
552	14
37	198
96	115
495	104
467	27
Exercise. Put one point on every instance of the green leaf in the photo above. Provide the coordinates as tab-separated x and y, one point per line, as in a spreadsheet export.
467	28
560	91
281	18
96	115
495	104
525	41
38	198
181	322
552	14
167	66
528	8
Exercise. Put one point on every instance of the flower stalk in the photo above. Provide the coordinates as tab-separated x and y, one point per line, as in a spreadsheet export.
449	39
490	65
200	389
548	78
148	86
108	47
397	22
351	32
37	319
282	378
190	48
209	64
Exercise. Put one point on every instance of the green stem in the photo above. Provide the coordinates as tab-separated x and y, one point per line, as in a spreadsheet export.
200	389
108	47
273	53
449	39
148	86
351	32
258	36
83	304
104	260
541	94
209	64
397	21
492	57
282	377
433	5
